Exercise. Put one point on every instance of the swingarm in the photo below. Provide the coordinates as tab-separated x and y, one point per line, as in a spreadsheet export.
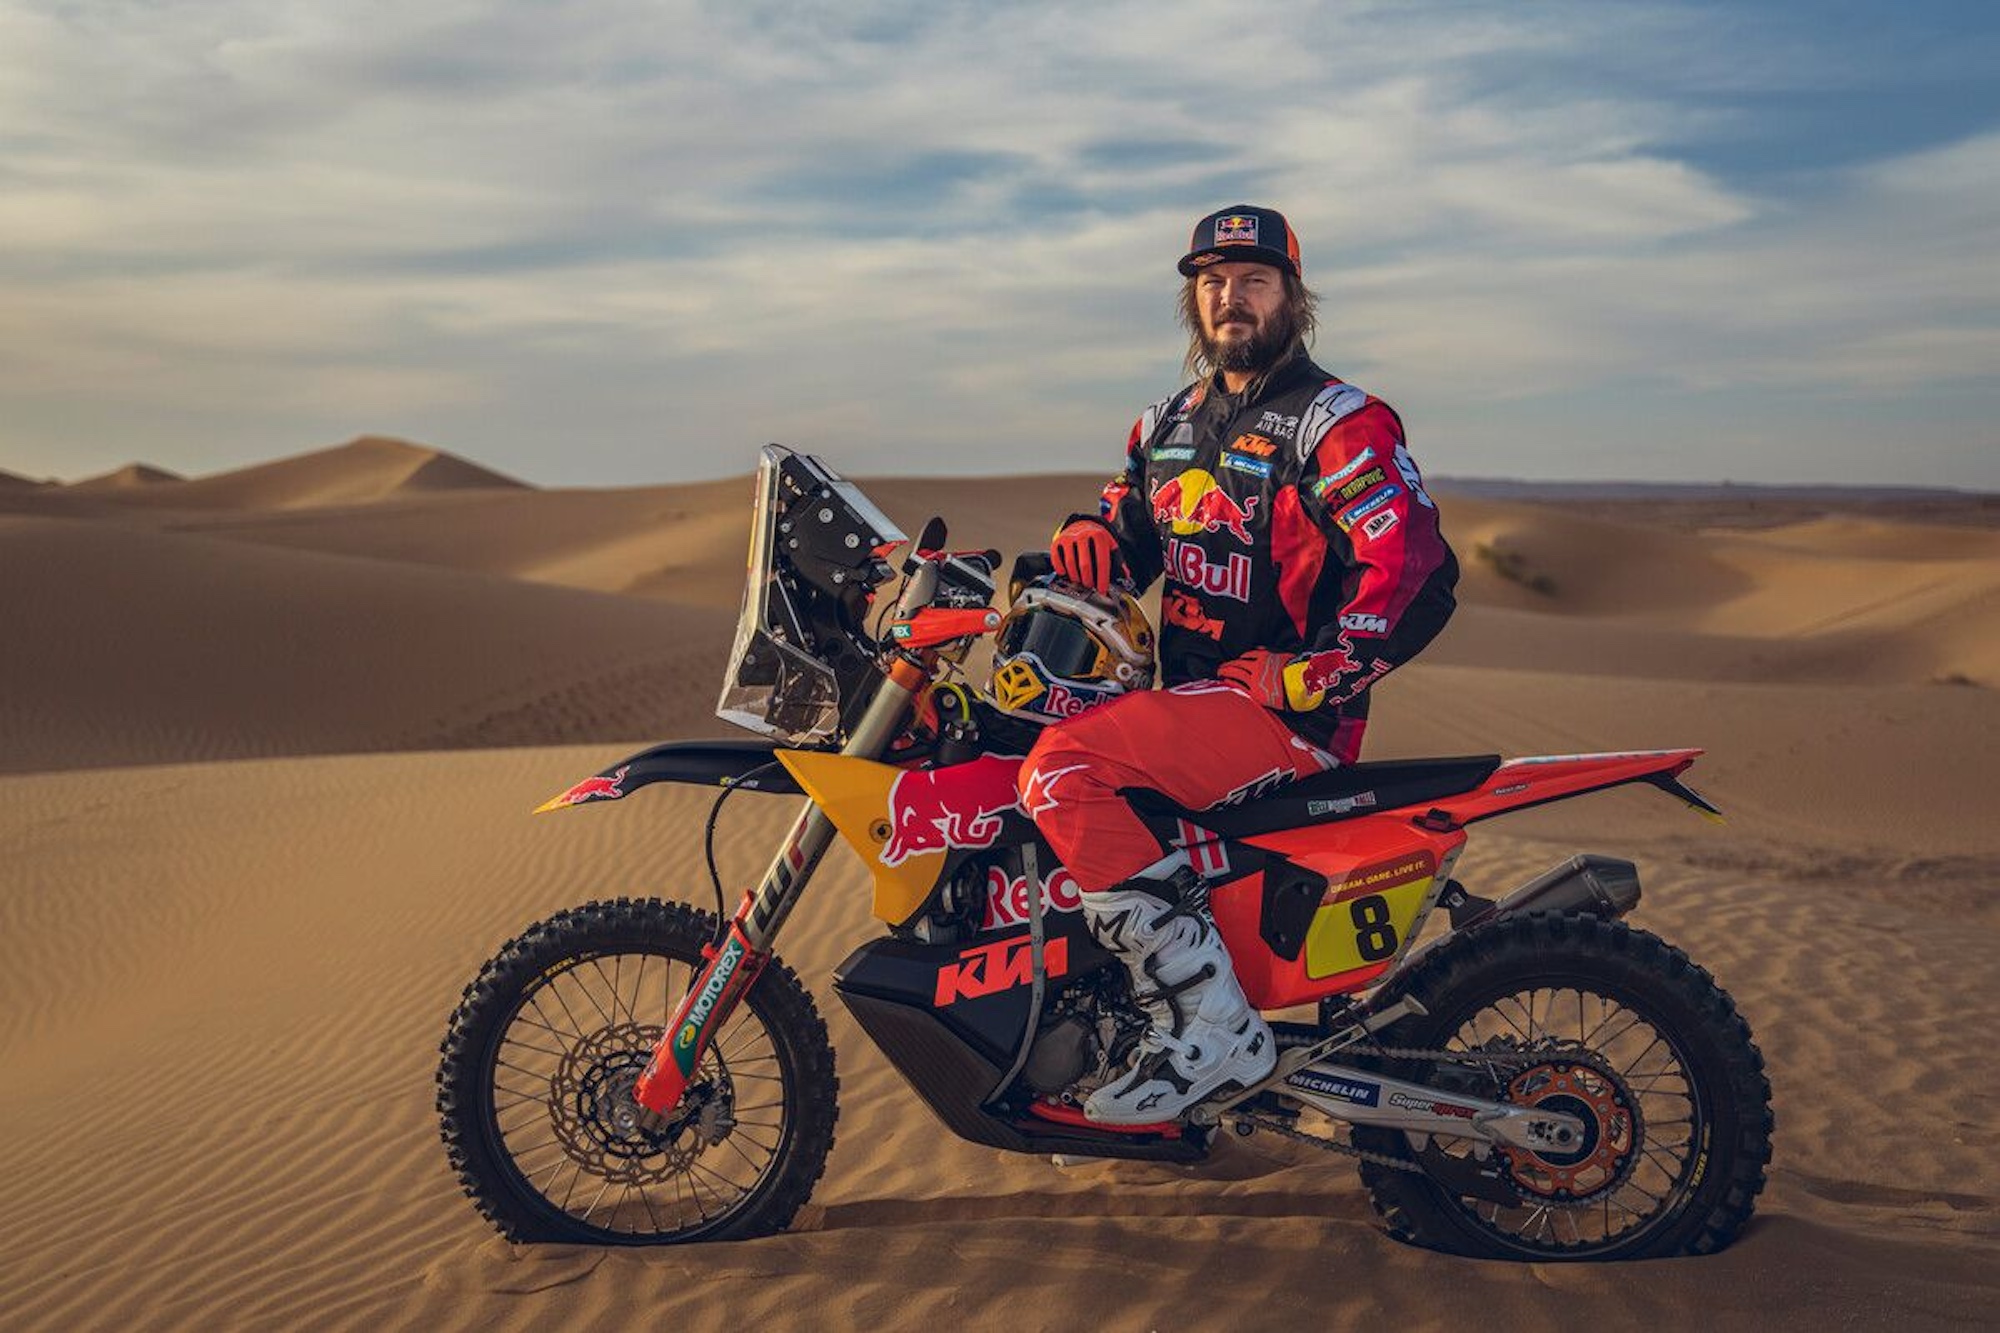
1361	1097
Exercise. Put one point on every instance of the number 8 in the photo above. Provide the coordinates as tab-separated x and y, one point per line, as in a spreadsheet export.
1374	936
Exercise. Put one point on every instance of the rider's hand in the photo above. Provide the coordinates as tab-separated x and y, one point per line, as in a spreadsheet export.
1082	554
1275	680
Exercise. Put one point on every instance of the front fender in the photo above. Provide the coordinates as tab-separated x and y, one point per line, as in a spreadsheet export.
726	763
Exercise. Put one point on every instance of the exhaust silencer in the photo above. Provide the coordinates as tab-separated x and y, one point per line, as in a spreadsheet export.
1603	885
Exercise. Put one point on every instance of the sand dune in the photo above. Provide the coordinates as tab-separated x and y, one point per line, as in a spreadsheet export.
243	882
130	477
11	481
371	467
147	648
257	958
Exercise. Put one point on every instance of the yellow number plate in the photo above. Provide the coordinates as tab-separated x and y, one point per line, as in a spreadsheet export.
1367	918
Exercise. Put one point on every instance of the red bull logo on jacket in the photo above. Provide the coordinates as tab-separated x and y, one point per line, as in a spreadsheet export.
1190	565
961	806
1195	502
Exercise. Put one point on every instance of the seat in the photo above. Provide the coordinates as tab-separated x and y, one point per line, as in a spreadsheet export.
1343	793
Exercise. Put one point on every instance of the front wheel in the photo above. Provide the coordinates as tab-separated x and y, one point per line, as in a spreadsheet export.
1611	1025
540	1060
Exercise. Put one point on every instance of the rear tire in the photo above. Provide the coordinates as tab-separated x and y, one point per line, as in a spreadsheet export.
534	1088
1609	986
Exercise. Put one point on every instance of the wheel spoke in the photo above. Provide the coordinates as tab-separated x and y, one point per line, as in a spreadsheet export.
565	1039
1610	1065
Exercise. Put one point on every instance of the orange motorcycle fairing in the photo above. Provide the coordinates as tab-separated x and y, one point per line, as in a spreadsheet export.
1383	875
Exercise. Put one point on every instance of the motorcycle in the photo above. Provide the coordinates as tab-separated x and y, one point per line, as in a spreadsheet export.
1538	1080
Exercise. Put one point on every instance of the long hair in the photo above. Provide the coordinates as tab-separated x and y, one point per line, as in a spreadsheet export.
1301	309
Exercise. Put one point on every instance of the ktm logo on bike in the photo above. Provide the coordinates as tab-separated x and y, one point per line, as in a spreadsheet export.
988	969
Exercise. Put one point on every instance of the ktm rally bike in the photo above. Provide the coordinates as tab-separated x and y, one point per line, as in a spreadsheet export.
1540	1080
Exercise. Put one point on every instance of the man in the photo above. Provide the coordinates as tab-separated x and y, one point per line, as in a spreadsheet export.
1303	562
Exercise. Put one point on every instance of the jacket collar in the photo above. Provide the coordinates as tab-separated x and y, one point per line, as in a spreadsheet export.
1287	374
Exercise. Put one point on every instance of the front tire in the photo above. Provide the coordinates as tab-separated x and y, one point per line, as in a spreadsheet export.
1613	1025
534	1088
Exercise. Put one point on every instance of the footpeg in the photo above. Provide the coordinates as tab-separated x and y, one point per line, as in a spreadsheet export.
1210	1112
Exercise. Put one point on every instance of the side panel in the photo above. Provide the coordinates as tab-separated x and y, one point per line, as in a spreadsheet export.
1382	876
905	823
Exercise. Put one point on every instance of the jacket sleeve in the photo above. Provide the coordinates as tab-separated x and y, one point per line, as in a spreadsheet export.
1395	572
1124	508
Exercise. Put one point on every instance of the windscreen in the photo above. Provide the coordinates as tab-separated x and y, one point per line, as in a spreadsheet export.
774	683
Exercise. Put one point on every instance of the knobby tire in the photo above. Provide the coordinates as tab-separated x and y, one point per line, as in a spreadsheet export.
1643	974
500	1188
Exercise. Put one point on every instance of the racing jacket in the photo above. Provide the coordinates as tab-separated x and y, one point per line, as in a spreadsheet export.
1288	517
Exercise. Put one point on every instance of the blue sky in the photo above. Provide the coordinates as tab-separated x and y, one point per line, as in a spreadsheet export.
623	242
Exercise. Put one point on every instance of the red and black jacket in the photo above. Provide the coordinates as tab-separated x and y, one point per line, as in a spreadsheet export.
1288	517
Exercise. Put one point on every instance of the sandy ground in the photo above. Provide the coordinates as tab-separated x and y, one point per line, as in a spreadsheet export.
268	742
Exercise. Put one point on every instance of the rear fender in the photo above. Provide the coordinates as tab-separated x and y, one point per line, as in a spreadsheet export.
732	763
1520	784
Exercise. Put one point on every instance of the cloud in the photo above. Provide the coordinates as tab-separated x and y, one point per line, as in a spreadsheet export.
627	241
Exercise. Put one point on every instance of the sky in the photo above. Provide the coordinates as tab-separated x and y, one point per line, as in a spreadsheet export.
617	242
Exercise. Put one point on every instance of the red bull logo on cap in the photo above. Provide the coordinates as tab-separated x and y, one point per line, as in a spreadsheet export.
1195	502
961	806
1236	229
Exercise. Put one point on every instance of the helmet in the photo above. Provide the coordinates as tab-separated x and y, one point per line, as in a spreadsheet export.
1062	649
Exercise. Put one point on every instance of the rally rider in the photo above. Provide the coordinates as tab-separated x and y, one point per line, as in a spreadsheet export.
1303	561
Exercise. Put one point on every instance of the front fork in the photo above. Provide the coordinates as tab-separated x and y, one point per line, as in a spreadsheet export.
733	966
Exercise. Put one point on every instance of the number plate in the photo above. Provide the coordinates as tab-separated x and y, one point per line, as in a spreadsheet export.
1365	920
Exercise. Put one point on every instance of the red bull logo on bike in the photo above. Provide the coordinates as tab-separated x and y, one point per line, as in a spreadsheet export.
1195	502
599	788
963	806
988	969
1190	566
1007	897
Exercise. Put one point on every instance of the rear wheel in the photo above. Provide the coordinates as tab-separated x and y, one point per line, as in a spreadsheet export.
539	1064
1610	1025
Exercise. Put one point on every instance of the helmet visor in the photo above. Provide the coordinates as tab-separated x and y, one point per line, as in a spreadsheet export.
1063	647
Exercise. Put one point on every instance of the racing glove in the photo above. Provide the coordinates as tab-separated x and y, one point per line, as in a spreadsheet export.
1275	680
1082	553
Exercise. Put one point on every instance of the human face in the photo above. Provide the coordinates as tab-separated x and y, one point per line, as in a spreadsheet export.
1244	326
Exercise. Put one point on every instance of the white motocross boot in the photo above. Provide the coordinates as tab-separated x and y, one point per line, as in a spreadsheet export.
1205	1036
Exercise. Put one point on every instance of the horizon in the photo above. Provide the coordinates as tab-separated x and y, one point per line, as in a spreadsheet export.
165	475
1649	243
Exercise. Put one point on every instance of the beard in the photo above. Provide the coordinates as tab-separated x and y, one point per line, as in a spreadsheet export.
1266	345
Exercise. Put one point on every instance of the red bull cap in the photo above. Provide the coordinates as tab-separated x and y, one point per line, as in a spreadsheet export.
1243	233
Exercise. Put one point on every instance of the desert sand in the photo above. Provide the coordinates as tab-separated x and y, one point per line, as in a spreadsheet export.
269	740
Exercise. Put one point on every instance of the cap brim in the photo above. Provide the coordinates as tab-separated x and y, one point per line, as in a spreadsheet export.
1194	261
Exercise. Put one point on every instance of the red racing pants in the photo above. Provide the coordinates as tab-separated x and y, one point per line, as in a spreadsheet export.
1199	745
